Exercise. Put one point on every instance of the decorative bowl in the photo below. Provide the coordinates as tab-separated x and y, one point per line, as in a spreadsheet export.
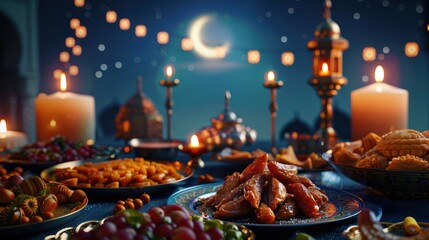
164	150
67	233
401	184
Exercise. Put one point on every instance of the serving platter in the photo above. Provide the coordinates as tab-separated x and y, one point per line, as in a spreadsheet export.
187	172
347	204
63	213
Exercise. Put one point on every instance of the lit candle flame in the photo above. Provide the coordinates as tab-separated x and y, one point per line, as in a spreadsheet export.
325	68
379	74
271	76
63	82
194	141
169	71
3	128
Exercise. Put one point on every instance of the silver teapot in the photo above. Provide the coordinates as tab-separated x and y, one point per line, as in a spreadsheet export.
227	130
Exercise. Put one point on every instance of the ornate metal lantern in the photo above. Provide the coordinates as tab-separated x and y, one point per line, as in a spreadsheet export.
139	118
327	78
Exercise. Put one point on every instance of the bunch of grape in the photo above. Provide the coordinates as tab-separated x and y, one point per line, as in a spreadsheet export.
60	149
166	222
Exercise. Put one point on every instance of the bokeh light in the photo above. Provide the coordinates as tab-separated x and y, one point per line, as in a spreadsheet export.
369	54
77	50
124	24
70	42
163	37
288	58
79	3
253	56
80	32
57	74
187	44
74	23
411	49
140	30
64	57
111	16
73	70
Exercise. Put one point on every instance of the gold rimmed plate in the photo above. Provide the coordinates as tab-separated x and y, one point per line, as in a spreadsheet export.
96	192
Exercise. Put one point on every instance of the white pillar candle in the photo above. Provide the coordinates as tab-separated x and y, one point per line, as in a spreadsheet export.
378	108
11	140
67	114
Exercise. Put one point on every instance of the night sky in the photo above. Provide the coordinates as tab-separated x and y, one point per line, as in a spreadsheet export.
112	58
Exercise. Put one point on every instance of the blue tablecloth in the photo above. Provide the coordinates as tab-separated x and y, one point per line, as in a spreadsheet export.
390	209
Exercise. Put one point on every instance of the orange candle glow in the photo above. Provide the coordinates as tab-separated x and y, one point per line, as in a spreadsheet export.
65	113
169	71
325	69
10	140
271	77
195	143
378	108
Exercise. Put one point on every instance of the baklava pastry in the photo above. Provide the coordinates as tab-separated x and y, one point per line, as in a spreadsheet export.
408	163
403	142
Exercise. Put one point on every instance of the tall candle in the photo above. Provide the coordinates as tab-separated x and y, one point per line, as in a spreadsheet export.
11	140
378	108
65	113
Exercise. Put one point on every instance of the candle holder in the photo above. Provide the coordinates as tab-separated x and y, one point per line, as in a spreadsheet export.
195	153
169	84
195	150
327	78
272	84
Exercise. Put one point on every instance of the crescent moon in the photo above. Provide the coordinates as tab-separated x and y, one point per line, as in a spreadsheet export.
198	45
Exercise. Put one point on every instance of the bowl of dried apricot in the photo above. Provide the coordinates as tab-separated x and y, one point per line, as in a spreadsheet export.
394	164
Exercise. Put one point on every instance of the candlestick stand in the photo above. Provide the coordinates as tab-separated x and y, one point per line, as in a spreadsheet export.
327	88
273	85
169	84
195	153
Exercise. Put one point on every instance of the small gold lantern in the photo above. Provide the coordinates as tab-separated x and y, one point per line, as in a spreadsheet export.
139	118
327	77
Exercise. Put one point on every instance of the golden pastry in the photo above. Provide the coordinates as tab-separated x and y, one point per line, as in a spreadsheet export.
288	156
314	161
29	205
373	161
402	142
408	163
344	153
369	141
62	192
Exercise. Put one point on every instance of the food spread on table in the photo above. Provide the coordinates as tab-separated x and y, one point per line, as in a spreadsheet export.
270	191
118	173
31	200
398	150
60	149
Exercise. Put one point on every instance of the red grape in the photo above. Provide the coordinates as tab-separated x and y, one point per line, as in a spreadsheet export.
178	215
181	233
156	214
172	207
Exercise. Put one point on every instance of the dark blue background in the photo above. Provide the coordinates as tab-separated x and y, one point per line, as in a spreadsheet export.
250	24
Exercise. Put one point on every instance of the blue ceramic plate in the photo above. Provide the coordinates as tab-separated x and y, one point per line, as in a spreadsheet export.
347	204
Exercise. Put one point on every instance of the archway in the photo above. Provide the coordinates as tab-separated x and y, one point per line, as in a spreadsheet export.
11	85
